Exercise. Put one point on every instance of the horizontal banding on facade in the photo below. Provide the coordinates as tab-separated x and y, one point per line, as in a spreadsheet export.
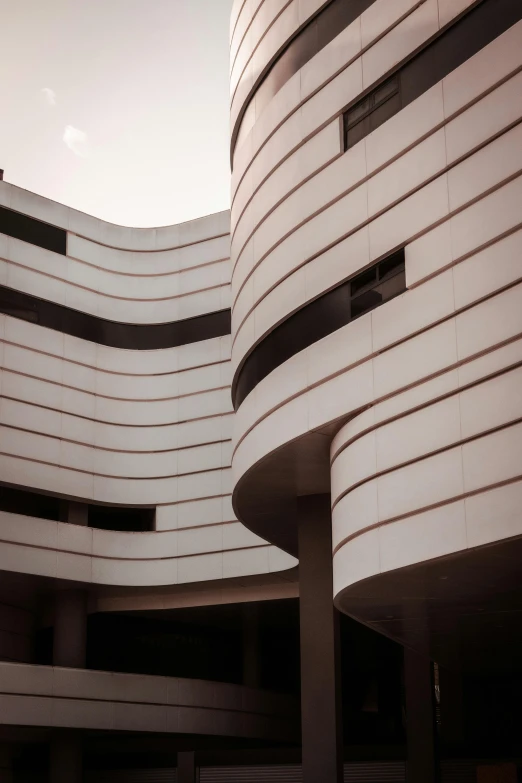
268	242
406	135
271	159
47	696
139	337
317	33
115	379
321	317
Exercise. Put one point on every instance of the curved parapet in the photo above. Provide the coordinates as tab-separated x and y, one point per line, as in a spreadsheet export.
115	383
426	479
123	275
75	698
376	284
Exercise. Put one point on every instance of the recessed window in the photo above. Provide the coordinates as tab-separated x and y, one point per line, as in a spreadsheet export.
128	520
35	504
319	318
23	227
137	337
453	46
30	504
327	24
372	111
377	285
24	310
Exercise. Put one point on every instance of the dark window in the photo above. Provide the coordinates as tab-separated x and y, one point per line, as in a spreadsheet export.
372	111
321	317
314	36
18	308
34	504
30	504
466	37
377	285
19	226
139	337
130	520
443	55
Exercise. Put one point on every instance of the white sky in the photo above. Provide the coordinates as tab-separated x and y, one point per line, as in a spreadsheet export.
118	108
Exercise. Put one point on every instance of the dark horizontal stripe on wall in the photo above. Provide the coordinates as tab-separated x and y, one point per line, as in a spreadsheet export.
478	28
137	337
19	226
316	320
34	504
322	29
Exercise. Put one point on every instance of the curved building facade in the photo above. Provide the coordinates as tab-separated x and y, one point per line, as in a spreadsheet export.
260	472
376	320
119	547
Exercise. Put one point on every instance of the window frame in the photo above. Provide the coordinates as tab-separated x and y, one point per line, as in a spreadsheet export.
373	106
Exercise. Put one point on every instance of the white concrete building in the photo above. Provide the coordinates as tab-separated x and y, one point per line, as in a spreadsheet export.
165	468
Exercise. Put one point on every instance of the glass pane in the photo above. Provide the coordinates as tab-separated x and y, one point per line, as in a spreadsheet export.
19	312
368	278
391	287
386	90
357	133
365	302
358	111
392	265
386	110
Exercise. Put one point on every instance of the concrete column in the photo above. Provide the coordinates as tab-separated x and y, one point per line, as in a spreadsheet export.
451	709
187	770
251	674
420	718
74	513
70	628
6	768
65	759
78	514
321	703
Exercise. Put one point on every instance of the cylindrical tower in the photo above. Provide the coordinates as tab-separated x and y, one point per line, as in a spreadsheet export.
377	301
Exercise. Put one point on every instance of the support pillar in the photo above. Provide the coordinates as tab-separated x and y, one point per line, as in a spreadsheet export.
321	703
78	514
6	768
74	513
451	709
420	718
70	629
187	771
65	762
251	673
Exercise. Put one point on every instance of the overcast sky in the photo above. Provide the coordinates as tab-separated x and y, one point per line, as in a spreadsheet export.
118	108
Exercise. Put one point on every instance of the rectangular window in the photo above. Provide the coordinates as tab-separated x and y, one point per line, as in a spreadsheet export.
33	504
375	109
13	306
28	229
455	44
129	520
377	285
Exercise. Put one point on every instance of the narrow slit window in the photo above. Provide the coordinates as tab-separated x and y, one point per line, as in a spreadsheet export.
35	232
319	318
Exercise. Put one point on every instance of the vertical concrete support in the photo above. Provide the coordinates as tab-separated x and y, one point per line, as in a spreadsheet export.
65	760
74	513
6	769
451	709
420	718
70	629
187	770
321	705
78	514
251	673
